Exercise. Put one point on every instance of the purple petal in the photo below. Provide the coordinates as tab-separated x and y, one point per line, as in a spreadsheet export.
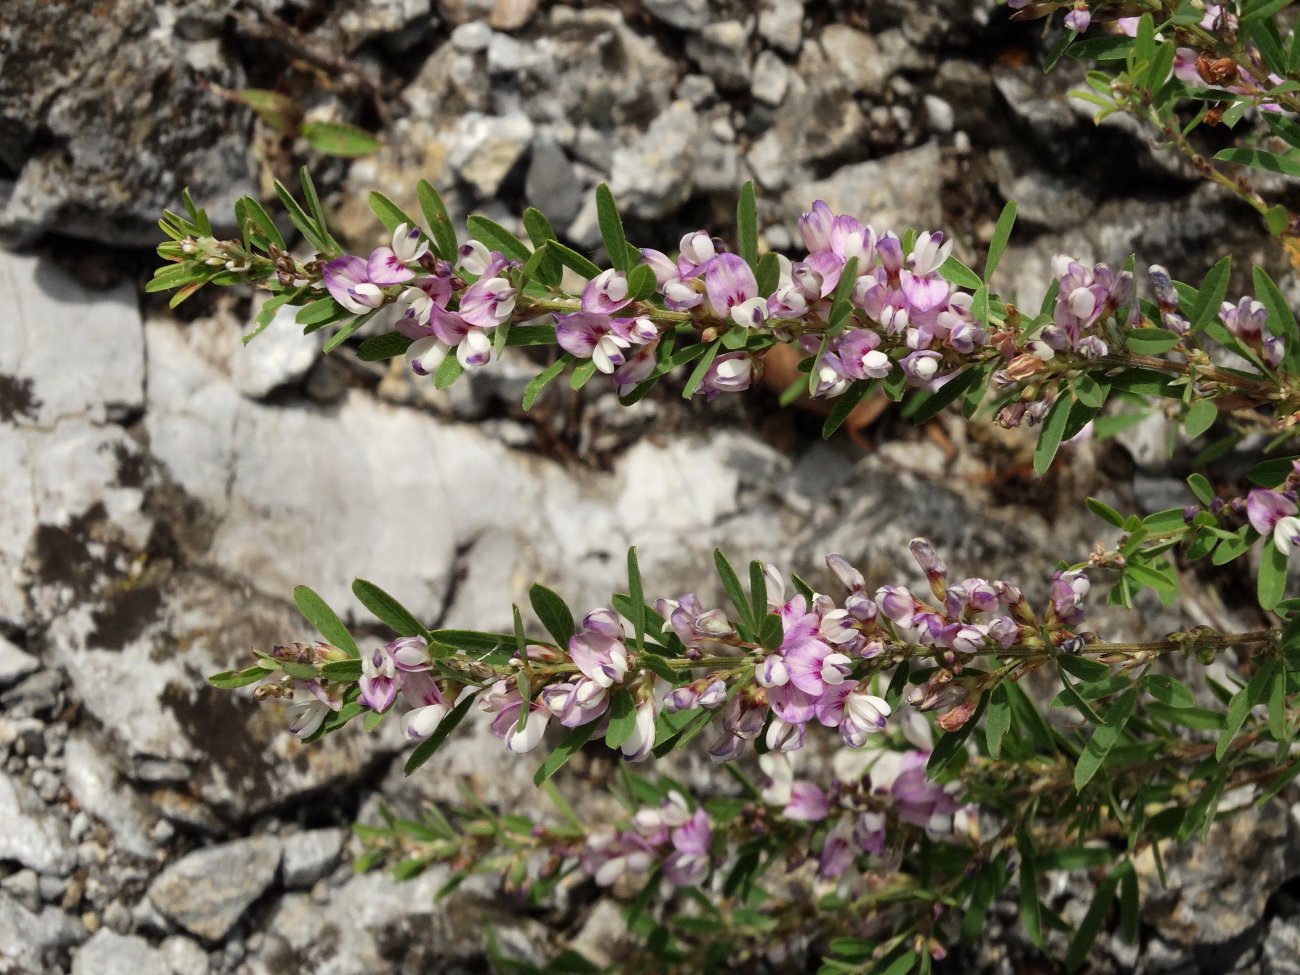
384	267
341	275
729	282
1265	508
578	333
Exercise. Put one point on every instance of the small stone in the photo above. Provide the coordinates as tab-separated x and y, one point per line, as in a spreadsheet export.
552	185
652	178
110	953
780	22
939	115
311	855
697	89
471	37
29	940
487	148
99	791
685	14
90	921
24	887
37	694
118	917
52	888
208	891
771	78
31	834
185	956
15	664
722	51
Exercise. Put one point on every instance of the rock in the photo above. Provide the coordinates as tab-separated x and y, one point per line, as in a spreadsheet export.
1216	890
721	49
488	147
36	942
1042	199
652	178
552	184
33	835
15	664
857	56
207	891
685	14
186	957
311	855
108	953
771	78
1282	946
473	36
780	22
501	14
899	191
939	115
282	355
25	887
399	23
99	791
106	140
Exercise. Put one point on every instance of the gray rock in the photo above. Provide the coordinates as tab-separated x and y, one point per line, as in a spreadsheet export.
721	50
939	115
487	147
282	354
552	184
33	835
1282	946
99	791
653	177
207	891
186	957
771	78
109	953
25	887
780	22
1246	857
472	36
1042	199
35	942
15	664
899	191
311	855
397	22
686	14
118	118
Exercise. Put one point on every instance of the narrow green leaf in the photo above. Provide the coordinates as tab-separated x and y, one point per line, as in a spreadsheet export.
1001	234
496	237
1281	320
1103	738
537	227
554	614
230	679
622	718
1030	911
338	139
747	226
731	583
1086	934
573	741
1211	294
1105	512
425	749
262	220
298	217
1058	50
955	272
1049	438
845	405
1259	159
611	228
581	374
448	371
574	261
1200	417
997	721
388	610
1151	341
317	211
1272	575
317	612
388	212
435	215
636	593
768	273
701	368
1238	709
380	347
538	382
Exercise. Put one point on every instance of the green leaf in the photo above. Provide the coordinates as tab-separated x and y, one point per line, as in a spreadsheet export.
388	212
622	719
611	228
448	371
641	282
955	272
1273	472
1030	911
553	612
845	405
768	273
1103	738
317	612
339	139
278	111
701	368
1202	719
930	405
387	346
496	237
731	583
435	215
298	217
388	610
573	741
538	382
1101	49
1211	294
1086	934
1259	9
1281	321
1201	487
425	749
757	593
582	374
841	300
1200	417
1105	512
230	679
636	593
256	213
1259	159
1049	438
322	311
317	211
1272	575
1058	50
997	721
1001	234
574	261
747	226
1151	341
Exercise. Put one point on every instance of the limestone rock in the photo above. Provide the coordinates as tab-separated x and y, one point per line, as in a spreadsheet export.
899	191
653	177
33	834
311	855
108	953
15	664
208	891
